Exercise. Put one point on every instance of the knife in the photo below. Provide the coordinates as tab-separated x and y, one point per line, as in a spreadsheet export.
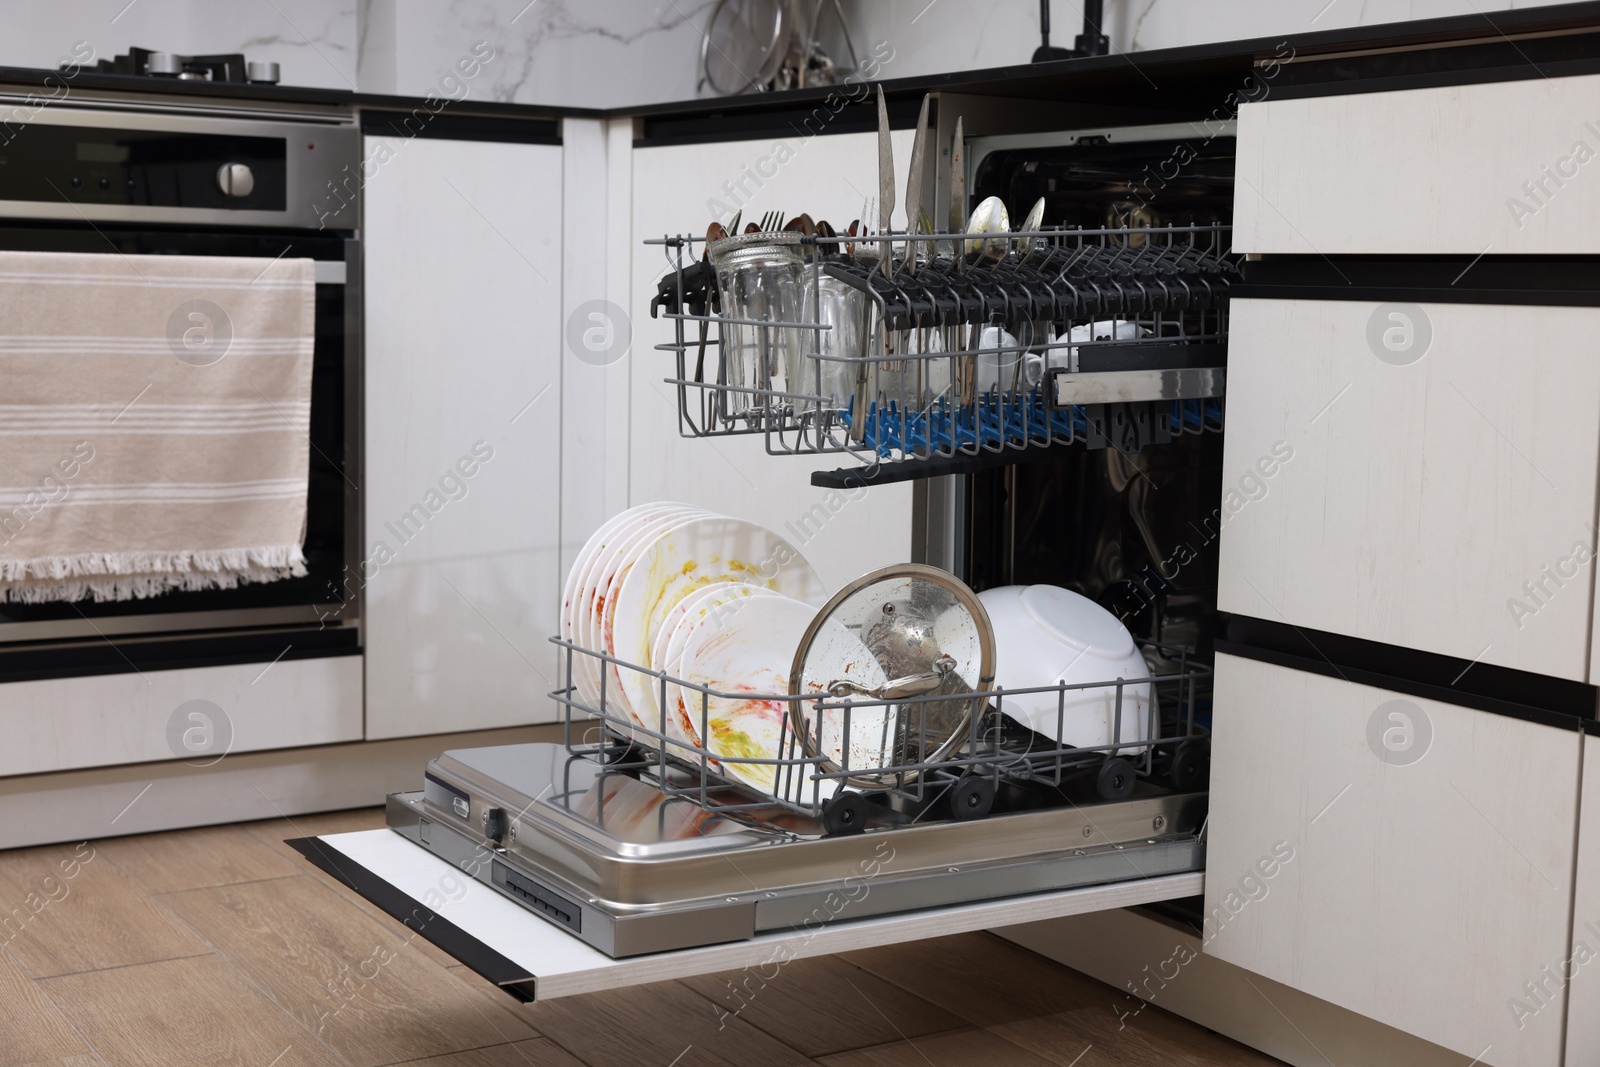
885	181
714	232
958	188
914	184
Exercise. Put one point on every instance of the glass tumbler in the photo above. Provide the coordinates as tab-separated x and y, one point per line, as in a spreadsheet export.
760	276
832	356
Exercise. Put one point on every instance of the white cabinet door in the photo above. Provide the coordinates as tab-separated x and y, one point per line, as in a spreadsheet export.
680	189
1581	962
1422	892
462	456
1445	505
1499	168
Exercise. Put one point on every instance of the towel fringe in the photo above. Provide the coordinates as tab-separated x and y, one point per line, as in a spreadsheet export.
138	575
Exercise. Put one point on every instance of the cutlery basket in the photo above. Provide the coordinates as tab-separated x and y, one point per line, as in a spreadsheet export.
917	348
999	766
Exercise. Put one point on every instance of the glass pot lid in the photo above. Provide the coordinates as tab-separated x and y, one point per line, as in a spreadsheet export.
909	648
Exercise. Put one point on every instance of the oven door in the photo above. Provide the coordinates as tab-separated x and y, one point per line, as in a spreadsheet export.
319	610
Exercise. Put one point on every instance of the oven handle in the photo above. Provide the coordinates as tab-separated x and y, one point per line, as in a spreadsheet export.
330	272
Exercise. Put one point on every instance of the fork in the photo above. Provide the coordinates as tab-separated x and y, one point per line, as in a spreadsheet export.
771	221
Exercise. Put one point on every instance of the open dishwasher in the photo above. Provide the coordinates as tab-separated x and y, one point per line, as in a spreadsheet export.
1055	392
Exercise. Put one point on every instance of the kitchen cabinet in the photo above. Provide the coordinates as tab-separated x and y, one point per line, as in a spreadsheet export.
680	189
460	576
1421	892
1497	168
596	256
1446	504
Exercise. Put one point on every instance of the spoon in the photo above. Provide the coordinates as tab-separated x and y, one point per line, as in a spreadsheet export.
989	217
1031	224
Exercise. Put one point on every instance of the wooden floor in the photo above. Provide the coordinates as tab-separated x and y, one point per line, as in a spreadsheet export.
222	946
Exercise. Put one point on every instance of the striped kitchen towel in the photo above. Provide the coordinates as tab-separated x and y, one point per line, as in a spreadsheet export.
154	420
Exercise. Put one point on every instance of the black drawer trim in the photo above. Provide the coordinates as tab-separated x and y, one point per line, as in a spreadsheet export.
853	110
126	653
1483	687
443	125
1499	60
1548	281
453	940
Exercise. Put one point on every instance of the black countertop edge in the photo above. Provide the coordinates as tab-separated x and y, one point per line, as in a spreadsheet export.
1041	79
1557	702
1006	81
25	78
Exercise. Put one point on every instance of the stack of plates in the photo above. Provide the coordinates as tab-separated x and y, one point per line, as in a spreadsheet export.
712	600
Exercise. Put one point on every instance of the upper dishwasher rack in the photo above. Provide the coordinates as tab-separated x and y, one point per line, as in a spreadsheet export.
966	347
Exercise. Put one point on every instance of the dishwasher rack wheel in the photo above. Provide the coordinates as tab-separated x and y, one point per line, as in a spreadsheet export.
845	814
1191	766
971	797
1115	779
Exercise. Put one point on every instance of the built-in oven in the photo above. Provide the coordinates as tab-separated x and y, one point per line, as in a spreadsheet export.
128	178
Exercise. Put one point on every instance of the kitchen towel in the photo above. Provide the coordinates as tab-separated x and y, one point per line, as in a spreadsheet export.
154	420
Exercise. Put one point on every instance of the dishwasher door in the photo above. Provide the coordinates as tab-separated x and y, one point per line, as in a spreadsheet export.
534	959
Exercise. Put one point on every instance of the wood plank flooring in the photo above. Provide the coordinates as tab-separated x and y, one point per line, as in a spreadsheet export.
222	946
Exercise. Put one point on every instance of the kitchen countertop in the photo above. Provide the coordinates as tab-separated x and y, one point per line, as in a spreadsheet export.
1156	84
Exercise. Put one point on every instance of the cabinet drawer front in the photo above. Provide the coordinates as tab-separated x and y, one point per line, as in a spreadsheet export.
1502	167
1423	894
1445	505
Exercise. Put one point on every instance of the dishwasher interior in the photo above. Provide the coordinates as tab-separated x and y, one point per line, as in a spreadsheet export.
1095	467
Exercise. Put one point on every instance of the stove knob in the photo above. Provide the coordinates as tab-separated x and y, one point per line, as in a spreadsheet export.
261	72
235	179
164	63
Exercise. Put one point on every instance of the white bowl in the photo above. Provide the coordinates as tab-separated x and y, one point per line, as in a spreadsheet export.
1045	636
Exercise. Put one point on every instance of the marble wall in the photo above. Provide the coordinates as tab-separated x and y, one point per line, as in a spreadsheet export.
575	53
610	53
607	53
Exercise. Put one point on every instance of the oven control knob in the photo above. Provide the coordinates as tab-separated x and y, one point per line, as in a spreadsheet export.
235	179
